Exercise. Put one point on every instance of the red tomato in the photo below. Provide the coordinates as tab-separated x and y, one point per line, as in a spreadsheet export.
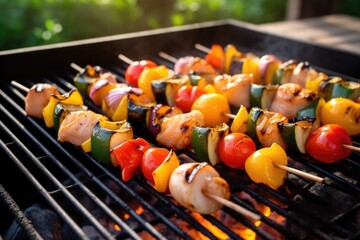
133	71
151	160
216	57
186	96
235	148
129	156
325	144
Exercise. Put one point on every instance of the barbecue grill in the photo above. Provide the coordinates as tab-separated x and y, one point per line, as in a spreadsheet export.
55	190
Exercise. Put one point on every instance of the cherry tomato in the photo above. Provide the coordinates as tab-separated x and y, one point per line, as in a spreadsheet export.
235	148
186	96
133	71
151	160
213	106
129	157
325	144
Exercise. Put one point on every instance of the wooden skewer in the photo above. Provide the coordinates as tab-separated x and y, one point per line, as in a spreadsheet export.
20	86
229	115
76	67
299	173
202	48
125	59
234	207
354	148
168	57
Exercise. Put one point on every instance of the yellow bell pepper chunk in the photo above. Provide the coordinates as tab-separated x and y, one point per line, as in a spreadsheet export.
261	169
210	88
86	146
73	97
230	53
251	66
313	84
121	112
150	74
239	124
162	174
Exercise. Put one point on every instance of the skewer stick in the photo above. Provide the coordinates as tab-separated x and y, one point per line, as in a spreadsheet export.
20	86
202	48
168	57
354	148
76	67
125	59
234	207
299	173
229	115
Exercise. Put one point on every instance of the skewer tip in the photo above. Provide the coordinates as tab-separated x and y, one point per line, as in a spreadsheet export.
20	86
168	57
202	48
300	173
235	207
76	67
125	59
354	148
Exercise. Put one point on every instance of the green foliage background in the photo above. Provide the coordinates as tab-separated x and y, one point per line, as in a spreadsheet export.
26	23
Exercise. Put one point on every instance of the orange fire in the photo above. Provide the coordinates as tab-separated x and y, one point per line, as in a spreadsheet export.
223	217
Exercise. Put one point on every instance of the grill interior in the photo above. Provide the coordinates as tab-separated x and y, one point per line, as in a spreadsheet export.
89	199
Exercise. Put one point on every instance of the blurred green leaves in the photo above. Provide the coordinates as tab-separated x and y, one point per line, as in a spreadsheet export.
26	23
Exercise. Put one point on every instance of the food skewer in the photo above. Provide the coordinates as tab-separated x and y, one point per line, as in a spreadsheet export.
300	173
223	201
229	115
289	169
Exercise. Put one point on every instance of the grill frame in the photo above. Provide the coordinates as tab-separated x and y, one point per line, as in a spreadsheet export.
36	67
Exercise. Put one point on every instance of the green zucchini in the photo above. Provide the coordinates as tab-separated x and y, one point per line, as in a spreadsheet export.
262	96
165	89
85	78
338	87
312	111
205	141
295	134
138	111
107	135
284	72
62	110
254	116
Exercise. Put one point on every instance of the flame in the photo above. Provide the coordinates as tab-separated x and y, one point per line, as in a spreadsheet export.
138	211
117	228
213	229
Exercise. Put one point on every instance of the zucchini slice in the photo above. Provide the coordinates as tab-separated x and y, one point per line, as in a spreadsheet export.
205	141
107	135
262	96
295	134
62	110
165	89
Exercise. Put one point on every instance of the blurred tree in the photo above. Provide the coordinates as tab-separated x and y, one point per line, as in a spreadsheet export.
26	23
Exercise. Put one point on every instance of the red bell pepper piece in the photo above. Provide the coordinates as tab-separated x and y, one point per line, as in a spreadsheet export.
129	156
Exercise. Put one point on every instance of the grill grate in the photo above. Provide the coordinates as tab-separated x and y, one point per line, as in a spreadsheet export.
86	195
